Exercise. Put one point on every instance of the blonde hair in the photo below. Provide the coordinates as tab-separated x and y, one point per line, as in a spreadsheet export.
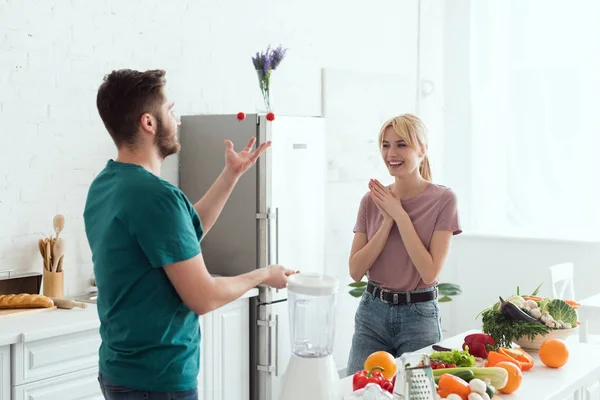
413	131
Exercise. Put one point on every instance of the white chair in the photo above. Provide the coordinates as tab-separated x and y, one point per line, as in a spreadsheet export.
562	281
586	314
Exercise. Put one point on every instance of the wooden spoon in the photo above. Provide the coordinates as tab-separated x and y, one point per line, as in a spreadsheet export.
42	246
57	252
48	254
59	224
60	263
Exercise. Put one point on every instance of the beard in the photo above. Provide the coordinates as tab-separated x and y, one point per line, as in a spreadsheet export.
165	141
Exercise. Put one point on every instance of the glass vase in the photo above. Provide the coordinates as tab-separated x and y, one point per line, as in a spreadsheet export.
264	105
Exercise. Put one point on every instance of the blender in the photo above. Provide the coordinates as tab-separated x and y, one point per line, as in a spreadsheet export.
311	372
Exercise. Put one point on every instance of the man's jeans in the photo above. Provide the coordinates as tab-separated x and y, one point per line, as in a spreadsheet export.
114	391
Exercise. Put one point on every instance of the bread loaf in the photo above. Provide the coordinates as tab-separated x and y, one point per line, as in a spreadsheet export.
24	300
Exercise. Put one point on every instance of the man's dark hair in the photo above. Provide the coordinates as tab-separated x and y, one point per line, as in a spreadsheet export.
124	96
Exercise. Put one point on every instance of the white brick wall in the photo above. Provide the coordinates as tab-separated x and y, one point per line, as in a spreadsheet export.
53	55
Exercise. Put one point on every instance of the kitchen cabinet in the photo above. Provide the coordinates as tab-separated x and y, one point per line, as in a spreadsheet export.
5	373
592	392
63	364
225	353
40	359
79	385
205	377
231	352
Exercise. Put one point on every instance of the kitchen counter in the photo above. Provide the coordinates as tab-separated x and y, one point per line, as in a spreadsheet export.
541	383
46	324
42	325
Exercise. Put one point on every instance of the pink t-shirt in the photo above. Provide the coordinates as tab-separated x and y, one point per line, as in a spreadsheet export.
434	209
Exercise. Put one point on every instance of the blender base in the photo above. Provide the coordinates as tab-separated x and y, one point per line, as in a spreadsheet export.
310	378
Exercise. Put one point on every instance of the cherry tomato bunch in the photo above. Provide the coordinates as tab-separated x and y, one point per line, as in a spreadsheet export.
440	364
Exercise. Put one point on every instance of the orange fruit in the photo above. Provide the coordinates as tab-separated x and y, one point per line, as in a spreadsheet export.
515	377
553	353
384	360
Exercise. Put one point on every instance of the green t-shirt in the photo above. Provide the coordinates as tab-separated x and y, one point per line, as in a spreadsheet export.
136	223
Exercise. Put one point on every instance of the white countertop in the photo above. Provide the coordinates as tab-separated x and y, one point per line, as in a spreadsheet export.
541	382
42	325
46	324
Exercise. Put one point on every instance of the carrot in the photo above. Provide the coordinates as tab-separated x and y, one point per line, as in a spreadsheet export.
572	303
534	298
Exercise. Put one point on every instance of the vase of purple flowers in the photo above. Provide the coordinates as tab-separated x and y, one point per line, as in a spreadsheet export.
265	63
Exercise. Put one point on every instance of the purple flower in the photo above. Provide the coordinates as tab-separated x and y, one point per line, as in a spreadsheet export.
264	63
269	60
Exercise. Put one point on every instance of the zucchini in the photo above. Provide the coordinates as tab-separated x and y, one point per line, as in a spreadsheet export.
490	390
497	376
465	375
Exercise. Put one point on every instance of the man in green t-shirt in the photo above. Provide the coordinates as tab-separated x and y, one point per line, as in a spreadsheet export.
145	236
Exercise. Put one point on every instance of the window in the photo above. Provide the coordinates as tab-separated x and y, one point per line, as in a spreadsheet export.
530	108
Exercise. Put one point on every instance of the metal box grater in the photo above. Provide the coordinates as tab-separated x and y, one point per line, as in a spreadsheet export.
414	379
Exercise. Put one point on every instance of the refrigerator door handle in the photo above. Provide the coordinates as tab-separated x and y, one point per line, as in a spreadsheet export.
276	345
273	364
268	216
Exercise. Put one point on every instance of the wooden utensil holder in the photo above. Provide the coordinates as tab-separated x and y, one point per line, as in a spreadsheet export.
54	284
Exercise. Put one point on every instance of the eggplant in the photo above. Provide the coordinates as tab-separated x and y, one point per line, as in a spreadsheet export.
513	312
440	348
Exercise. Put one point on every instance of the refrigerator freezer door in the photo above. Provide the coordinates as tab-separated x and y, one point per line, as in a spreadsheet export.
298	177
230	248
272	351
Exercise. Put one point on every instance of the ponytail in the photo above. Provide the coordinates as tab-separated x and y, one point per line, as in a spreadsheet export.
425	169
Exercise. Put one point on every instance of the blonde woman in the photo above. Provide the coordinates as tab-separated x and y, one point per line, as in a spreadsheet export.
401	239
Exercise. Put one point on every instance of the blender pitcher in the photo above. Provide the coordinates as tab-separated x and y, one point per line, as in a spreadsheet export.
312	302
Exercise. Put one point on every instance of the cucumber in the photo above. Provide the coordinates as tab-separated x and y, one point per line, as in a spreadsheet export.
465	375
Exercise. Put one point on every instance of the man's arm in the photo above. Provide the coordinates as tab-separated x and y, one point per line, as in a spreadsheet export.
209	207
203	293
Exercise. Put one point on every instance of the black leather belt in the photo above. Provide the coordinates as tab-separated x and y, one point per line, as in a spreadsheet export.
388	296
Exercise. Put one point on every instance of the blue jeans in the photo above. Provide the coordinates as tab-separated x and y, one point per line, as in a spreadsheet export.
114	391
397	329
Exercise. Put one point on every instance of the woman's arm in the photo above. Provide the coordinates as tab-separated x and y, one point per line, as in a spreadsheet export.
364	252
428	263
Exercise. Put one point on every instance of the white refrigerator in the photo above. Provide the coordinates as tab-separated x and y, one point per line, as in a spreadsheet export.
275	215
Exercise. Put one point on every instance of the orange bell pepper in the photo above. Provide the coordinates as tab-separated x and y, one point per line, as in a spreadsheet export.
494	357
522	357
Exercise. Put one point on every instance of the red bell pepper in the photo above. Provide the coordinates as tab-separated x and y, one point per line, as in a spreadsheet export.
362	378
479	344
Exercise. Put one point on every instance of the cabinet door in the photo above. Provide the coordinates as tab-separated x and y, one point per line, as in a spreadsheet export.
592	392
231	341
205	377
46	358
5	373
80	385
